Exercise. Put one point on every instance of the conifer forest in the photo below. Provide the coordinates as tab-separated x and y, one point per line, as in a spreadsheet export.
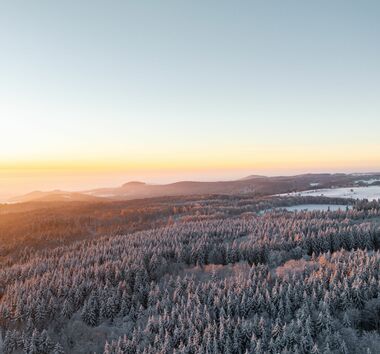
221	274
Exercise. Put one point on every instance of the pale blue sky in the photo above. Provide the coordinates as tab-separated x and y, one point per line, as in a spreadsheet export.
146	78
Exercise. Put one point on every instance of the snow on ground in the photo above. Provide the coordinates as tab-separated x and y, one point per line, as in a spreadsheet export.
368	181
370	193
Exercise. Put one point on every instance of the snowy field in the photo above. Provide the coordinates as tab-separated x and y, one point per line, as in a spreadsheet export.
370	193
368	181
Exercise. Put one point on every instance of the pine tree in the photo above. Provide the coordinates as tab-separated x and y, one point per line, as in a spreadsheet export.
346	320
315	349
90	313
67	309
9	344
327	349
277	328
46	344
58	349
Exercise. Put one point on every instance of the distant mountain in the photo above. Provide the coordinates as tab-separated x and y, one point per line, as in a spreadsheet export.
251	185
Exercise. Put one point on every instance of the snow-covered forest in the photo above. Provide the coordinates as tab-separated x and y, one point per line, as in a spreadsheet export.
207	276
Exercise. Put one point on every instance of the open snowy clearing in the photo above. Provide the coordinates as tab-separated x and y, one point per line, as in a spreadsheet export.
368	181
370	193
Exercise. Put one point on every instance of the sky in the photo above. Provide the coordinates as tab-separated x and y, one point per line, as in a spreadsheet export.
96	93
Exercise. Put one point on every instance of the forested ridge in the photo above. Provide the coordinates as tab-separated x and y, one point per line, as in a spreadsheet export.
209	276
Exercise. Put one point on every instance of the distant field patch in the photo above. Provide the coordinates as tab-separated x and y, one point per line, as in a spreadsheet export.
370	193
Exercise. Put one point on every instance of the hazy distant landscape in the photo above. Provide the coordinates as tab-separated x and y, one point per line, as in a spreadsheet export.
333	185
247	272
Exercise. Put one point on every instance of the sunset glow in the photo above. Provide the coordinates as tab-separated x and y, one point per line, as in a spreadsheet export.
93	97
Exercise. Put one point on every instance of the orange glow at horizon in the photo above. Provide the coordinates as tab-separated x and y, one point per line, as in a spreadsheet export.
263	158
20	176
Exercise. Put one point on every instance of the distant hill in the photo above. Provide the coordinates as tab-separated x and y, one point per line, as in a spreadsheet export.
250	177
253	185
